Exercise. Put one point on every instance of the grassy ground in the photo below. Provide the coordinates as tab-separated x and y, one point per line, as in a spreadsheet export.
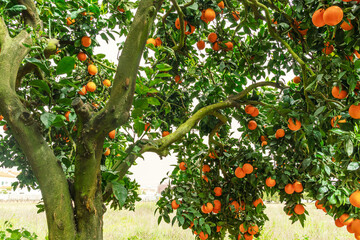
142	224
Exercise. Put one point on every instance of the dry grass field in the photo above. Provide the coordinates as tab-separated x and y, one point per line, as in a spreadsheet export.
142	224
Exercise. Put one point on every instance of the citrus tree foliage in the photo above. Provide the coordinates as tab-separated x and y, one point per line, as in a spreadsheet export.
209	65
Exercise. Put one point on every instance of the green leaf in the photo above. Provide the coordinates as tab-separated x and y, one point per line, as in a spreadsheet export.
349	147
153	101
323	189
38	63
40	84
120	192
319	110
66	65
353	166
163	67
17	8
47	119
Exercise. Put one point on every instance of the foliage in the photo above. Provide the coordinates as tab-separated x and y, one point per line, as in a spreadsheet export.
16	234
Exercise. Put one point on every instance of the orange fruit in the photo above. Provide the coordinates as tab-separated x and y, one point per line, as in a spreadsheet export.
107	83
203	236
333	15
333	120
158	42
81	56
253	229
212	155
347	26
69	21
280	133
107	152
355	199
339	94
248	168
192	30
249	109
174	205
191	225
1	117
297	79
5	128
92	69
206	168
328	49
205	178
242	206
216	46
236	15
252	125
200	45
91	87
248	237
147	127
257	202
299	209
264	143
270	182
242	229
354	111
212	37
218	191
120	9
209	14
294	126
218	228
112	134
317	18
236	206
298	187
263	138
356	54
344	219
217	206
82	91
255	113
151	41
289	188
203	16
86	41
177	79
229	45
67	115
207	208
349	228
355	226
221	5
177	23
338	223
165	133
182	166
239	172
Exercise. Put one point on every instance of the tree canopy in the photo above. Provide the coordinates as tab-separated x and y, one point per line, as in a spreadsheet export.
76	122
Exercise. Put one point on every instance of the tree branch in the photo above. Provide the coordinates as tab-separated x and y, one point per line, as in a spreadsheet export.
4	33
30	15
182	26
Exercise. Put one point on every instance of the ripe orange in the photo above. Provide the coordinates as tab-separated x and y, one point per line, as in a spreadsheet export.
294	126
217	206
203	236
328	49
344	219
249	109
270	182
255	113
289	188
91	87
151	41
355	226
248	168
252	125
257	202
248	237
216	46
221	5
147	127
107	83
212	155
203	16
333	120
120	9
339	94
347	26
112	134
177	23
236	206
317	18
242	206
209	14
236	15
264	143
86	41
298	187
200	45
174	205
333	15
297	79
355	199
212	37
67	115
207	208
182	166
177	79
82	91
69	21
229	45
205	178
356	54
1	117
218	228
354	111
5	128
253	229
158	42
279	133
299	209
242	229
218	191
239	172
92	69
338	223
165	133
192	30
263	138
349	228
81	56
206	168
107	152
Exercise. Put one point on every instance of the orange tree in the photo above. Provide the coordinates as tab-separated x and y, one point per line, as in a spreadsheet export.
75	122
